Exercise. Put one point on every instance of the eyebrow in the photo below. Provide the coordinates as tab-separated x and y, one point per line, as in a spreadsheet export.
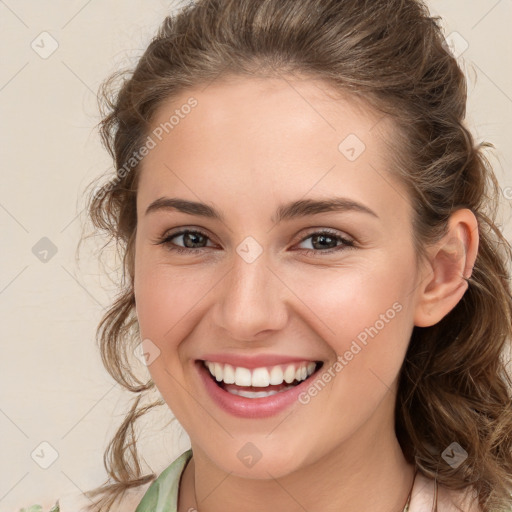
292	210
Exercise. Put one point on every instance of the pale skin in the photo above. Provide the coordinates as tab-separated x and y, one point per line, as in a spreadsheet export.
248	147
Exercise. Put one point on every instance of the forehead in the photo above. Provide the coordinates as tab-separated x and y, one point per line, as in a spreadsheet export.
261	136
291	100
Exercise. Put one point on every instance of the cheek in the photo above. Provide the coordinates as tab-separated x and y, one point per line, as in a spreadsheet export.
165	295
363	313
170	302
348	300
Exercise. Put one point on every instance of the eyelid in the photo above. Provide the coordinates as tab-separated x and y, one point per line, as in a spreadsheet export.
330	231
170	233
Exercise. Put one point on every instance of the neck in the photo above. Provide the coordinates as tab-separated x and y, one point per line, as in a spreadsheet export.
367	472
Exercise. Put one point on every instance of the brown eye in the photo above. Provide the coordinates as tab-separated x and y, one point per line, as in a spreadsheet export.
326	242
191	241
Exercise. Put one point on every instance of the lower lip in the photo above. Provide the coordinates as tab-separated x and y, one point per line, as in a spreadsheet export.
251	407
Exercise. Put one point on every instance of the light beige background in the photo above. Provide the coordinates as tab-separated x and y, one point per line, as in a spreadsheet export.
53	387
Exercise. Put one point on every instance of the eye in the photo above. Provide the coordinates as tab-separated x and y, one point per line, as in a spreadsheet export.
190	239
326	241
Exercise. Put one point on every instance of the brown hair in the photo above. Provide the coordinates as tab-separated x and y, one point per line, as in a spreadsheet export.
392	55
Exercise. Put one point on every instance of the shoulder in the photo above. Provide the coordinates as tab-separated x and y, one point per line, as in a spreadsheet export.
426	493
162	492
40	508
79	502
162	495
157	496
457	501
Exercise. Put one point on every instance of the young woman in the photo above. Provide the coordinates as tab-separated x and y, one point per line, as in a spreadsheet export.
313	265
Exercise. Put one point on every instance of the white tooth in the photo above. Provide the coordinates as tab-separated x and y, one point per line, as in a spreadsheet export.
242	376
276	376
256	394
252	394
229	374
289	374
218	372
260	377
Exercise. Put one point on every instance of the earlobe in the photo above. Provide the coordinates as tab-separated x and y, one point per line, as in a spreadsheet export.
451	261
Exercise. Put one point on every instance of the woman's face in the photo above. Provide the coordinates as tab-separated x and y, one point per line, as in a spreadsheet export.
274	279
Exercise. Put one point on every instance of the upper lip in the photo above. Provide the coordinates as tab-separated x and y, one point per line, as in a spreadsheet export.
256	361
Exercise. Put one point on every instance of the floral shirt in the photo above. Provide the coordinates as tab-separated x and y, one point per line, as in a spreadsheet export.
38	508
162	493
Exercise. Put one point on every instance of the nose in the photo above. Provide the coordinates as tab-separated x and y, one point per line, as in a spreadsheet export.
251	300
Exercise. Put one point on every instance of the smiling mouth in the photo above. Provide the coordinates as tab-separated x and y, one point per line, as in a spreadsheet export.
260	382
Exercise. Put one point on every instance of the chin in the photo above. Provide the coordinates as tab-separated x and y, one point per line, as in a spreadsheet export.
260	460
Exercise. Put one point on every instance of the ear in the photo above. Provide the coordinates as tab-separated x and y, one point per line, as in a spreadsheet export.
450	264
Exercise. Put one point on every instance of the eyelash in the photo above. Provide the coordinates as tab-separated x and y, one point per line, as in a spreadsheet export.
166	241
